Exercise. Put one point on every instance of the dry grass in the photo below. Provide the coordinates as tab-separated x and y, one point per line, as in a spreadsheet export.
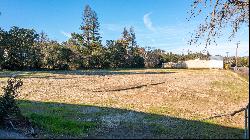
187	94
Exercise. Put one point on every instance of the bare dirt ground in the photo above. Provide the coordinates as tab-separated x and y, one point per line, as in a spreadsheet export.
185	94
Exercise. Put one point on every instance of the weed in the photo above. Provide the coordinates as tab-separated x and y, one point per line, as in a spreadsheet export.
59	125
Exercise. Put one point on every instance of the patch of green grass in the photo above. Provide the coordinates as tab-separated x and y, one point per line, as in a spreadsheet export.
158	129
61	120
20	74
61	126
24	104
126	69
151	117
27	107
64	112
57	119
6	72
48	108
132	125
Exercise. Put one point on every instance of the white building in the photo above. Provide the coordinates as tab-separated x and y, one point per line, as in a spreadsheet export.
214	62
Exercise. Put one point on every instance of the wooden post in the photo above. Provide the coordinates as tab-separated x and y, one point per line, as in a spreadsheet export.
247	131
246	135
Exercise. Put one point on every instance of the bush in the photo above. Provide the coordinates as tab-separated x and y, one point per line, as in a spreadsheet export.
63	67
9	111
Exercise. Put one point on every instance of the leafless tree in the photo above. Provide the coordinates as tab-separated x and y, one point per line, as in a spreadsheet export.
220	14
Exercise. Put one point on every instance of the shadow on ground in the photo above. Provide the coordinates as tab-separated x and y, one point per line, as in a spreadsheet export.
30	74
59	120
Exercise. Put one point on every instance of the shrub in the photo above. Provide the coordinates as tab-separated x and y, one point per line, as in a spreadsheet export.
9	111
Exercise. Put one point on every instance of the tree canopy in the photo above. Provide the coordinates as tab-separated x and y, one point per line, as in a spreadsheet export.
26	49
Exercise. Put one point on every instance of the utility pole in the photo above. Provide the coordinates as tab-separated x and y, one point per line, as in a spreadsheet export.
227	57
227	54
236	54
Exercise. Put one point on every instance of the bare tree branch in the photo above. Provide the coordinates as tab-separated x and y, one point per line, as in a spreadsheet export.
223	13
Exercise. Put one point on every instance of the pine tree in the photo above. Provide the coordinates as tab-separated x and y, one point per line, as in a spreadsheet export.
86	25
90	27
95	35
91	37
125	35
132	35
125	41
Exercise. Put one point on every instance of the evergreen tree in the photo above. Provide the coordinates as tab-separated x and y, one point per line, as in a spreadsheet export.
90	27
91	38
125	35
95	28
86	25
132	35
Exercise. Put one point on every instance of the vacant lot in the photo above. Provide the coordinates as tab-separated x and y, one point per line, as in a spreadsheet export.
146	103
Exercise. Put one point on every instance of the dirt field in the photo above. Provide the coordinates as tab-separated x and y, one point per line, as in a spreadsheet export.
147	103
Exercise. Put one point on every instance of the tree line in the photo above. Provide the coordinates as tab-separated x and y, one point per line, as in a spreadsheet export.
26	49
